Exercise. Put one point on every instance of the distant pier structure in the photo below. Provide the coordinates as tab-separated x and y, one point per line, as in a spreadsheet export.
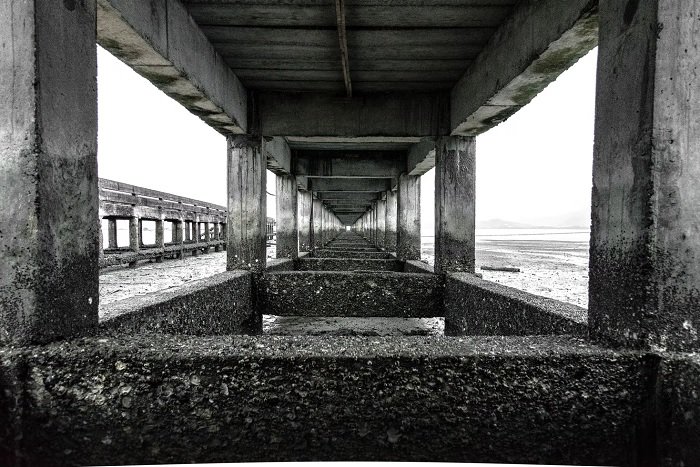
348	102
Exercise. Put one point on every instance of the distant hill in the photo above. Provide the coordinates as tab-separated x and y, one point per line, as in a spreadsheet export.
504	224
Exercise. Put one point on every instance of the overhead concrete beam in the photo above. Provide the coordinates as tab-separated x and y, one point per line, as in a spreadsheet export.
341	196
366	185
278	155
373	115
160	41
421	157
531	49
339	164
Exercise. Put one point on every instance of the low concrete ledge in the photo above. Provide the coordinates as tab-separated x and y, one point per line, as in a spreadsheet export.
474	306
125	256
324	293
351	254
177	399
216	305
418	266
279	264
349	264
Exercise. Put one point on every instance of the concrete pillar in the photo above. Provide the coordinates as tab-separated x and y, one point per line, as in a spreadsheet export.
247	204
390	221
455	207
645	240
134	236
408	222
217	235
160	239
287	233
111	233
304	207
316	213
381	223
179	227
50	224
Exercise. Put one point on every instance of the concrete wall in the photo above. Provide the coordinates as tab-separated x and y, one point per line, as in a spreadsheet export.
220	304
477	307
162	399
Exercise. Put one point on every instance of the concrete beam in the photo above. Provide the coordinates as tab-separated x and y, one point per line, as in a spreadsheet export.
374	115
49	223
421	157
364	185
339	164
536	44
162	43
345	196
278	155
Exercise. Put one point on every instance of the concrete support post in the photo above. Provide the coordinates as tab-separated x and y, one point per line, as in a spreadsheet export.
134	236
195	236
160	239
111	233
287	233
179	235
455	207
408	223
207	236
381	224
247	204
304	207
50	224
645	239
217	236
316	213
390	221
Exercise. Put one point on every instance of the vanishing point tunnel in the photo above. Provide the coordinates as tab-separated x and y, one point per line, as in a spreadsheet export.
348	102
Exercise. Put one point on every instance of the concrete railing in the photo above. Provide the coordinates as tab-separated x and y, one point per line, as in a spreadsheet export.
194	226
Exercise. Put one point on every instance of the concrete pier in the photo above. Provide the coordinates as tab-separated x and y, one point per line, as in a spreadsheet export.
287	230
408	244
304	200
390	221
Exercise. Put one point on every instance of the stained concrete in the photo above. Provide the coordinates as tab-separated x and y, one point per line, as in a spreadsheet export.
350	253
390	221
286	200
408	244
645	239
217	305
304	219
477	307
49	231
362	294
348	264
153	399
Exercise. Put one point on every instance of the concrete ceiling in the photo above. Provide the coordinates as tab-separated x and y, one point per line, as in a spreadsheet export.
402	45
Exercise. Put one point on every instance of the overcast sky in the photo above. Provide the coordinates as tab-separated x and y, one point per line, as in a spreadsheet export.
534	168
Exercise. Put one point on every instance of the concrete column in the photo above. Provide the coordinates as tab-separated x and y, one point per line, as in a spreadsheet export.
134	236
247	204
160	239
111	233
207	236
408	221
645	240
381	223
317	213
217	235
287	233
50	224
455	207
304	207
390	221
179	227
195	235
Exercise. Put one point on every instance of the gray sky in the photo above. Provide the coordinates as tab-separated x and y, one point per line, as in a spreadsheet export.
534	168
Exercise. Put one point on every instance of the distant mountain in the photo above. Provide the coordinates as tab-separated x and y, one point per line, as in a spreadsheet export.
573	220
504	224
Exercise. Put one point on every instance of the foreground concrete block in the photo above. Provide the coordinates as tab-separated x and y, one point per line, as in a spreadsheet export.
645	240
385	294
161	399
247	204
477	307
49	223
220	304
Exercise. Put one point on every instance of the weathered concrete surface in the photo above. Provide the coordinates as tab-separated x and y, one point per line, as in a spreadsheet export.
247	204
539	41
317	224
336	326
356	185
304	220
162	43
381	224
392	114
645	238
351	254
321	293
49	229
421	157
217	305
280	264
348	264
408	224
455	204
390	221
227	399
678	409
278	155
286	207
477	307
417	266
